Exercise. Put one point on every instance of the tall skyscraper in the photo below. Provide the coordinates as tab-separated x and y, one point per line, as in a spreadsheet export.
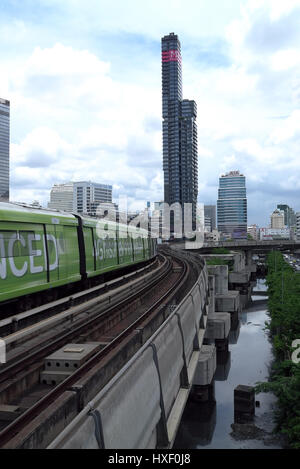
4	149
180	155
298	225
232	205
210	212
290	218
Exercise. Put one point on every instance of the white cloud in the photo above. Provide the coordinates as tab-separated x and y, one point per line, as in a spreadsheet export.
285	59
80	113
287	129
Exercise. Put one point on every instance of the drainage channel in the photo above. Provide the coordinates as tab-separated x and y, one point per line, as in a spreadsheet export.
208	425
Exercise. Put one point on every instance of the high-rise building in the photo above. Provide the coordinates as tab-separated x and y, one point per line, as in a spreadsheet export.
210	212
207	224
298	226
180	156
277	219
88	195
4	148
232	205
61	197
289	215
80	197
253	231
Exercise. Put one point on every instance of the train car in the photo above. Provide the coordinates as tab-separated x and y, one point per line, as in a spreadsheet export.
38	249
42	250
109	245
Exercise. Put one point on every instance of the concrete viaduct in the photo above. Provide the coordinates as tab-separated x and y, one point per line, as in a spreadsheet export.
253	245
141	407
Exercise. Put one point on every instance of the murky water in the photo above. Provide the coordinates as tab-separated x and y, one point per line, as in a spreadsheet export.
208	425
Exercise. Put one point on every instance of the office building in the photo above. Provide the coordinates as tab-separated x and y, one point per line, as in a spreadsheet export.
298	226
289	215
88	195
61	197
180	156
277	219
81	197
210	212
253	231
207	224
4	148
232	205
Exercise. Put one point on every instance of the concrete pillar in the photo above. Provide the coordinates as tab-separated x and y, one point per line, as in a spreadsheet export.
206	367
244	403
223	365
221	277
239	261
203	393
222	345
249	257
218	326
229	302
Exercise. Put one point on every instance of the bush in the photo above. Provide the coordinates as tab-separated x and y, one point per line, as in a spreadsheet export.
284	308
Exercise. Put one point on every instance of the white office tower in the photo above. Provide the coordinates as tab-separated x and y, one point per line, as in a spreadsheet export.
61	197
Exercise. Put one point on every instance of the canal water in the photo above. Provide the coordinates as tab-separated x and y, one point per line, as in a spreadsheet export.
248	360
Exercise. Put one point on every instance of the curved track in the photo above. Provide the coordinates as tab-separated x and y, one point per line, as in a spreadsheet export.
173	277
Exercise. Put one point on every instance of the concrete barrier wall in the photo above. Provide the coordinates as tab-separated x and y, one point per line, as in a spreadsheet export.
197	303
188	324
133	404
170	359
129	407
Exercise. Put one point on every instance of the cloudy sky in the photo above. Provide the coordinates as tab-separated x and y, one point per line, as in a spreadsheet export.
84	80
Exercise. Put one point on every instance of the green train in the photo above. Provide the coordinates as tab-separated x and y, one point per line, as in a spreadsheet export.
43	250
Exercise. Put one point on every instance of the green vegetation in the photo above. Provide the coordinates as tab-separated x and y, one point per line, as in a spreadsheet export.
220	251
217	261
284	307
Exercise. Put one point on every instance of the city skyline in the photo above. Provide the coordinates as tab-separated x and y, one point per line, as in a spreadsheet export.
85	96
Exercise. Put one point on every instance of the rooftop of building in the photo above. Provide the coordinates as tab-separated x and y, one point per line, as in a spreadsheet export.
5	101
235	173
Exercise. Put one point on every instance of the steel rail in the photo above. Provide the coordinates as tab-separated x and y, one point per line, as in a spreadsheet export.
61	339
77	298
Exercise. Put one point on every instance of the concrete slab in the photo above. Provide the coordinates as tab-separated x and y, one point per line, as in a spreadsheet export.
53	377
70	357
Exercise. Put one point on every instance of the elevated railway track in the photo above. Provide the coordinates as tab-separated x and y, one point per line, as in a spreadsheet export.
117	322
